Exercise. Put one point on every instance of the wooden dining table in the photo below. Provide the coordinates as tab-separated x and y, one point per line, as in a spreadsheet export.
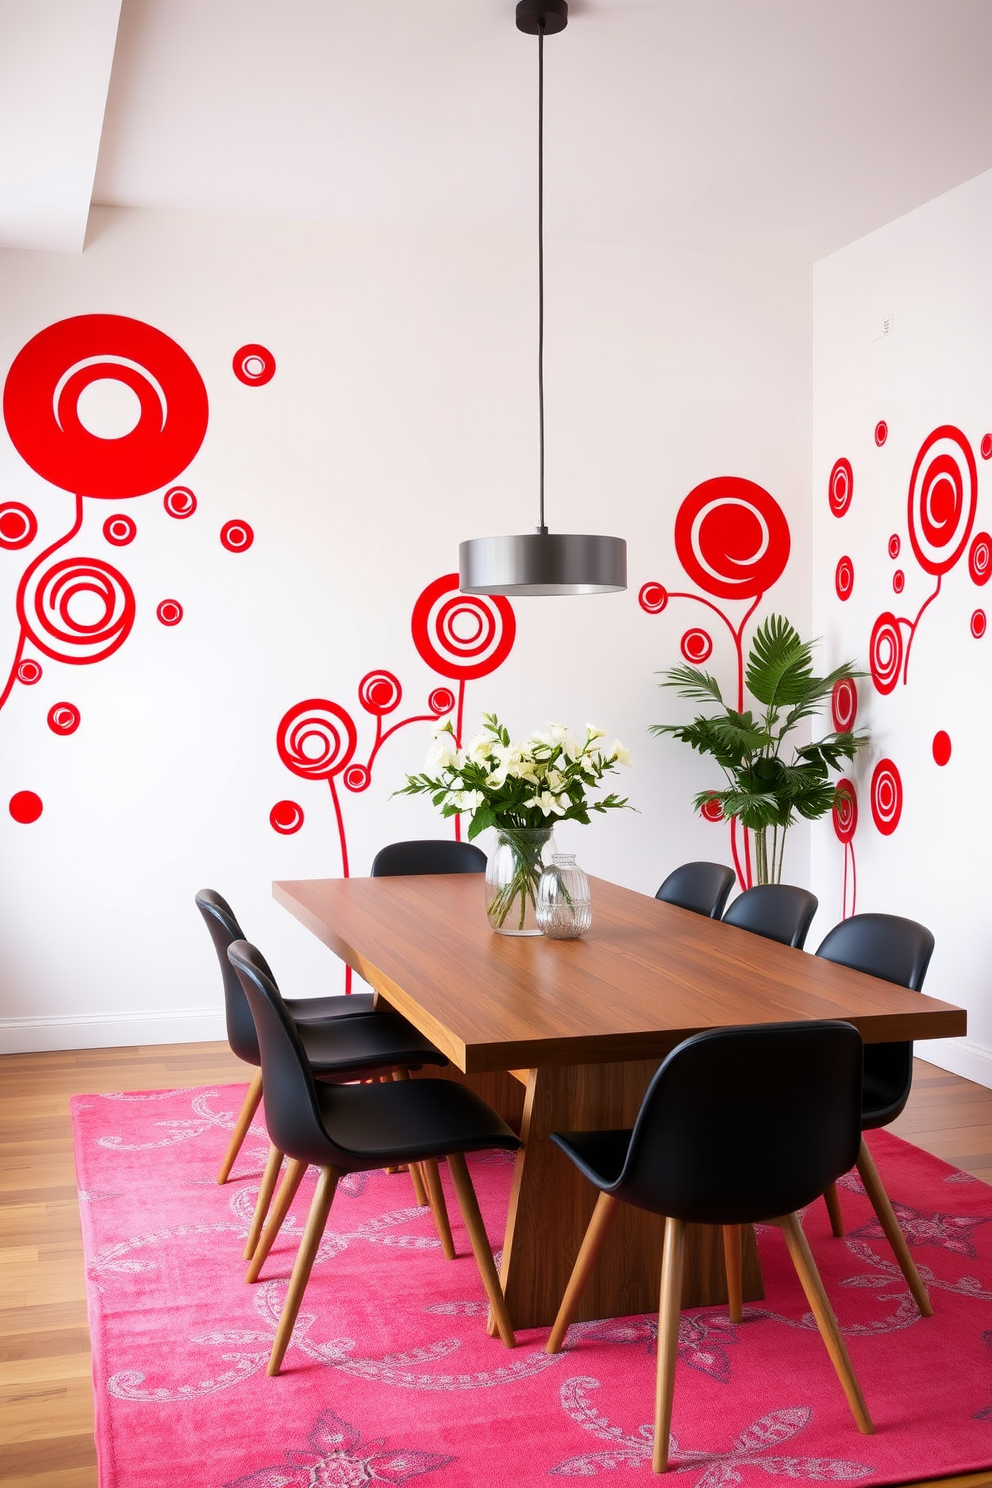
566	1035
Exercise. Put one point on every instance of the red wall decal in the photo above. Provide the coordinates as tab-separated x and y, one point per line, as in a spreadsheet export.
236	536
986	446
179	502
844	578
978	624
45	607
845	820
941	747
881	432
885	652
886	796
943	492
980	558
895	546
286	817
63	718
898	581
733	541
844	705
119	530
254	365
18	525
840	487
169	612
25	806
29	672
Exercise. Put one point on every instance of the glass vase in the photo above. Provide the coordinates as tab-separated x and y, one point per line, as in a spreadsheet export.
564	907
512	877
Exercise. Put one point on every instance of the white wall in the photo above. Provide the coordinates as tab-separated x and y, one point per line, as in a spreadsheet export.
401	419
928	273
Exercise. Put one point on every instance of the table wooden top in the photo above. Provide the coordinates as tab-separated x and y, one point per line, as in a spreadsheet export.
644	977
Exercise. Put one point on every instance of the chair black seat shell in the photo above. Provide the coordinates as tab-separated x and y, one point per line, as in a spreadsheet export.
351	1129
782	912
701	887
739	1125
428	855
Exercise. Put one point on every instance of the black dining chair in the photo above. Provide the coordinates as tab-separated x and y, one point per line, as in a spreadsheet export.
897	950
739	1125
354	1128
345	1045
428	855
782	912
701	887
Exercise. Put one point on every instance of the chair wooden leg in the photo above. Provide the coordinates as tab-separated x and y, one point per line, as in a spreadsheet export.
419	1191
469	1205
287	1193
585	1261
269	1180
733	1259
248	1108
802	1259
439	1209
832	1200
320	1208
669	1309
883	1208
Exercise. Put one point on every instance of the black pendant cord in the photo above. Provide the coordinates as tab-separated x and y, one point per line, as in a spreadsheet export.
540	259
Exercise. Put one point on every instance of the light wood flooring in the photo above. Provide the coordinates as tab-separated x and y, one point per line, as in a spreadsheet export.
46	1407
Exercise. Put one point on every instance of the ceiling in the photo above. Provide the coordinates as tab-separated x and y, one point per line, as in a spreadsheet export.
782	126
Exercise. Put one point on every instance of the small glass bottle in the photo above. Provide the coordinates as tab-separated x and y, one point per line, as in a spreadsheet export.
564	909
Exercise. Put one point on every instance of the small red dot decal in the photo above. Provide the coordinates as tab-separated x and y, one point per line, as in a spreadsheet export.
881	432
941	747
25	807
286	817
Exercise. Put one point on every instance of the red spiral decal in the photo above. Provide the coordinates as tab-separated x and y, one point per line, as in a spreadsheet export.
943	493
845	811
978	624
844	705
885	652
886	797
119	530
441	701
840	487
379	693
894	545
653	598
41	406
898	581
712	810
29	672
79	610
254	365
63	718
941	747
316	739
286	817
357	777
732	537
169	612
844	578
236	536
881	432
986	446
179	502
462	635
18	525
25	807
696	646
980	558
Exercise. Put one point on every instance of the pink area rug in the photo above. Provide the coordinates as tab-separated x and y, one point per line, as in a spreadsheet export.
391	1376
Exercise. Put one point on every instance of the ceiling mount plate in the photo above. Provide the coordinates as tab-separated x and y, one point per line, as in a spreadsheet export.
533	14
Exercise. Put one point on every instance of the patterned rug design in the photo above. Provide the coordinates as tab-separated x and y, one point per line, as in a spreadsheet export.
391	1376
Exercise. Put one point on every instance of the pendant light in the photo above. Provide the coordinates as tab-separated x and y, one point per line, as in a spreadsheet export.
542	562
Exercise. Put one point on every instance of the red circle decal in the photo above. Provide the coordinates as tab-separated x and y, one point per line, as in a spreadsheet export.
179	502
894	545
844	578
885	652
732	537
49	608
943	492
898	581
941	747
63	718
254	365
886	797
316	739
286	817
170	612
25	806
462	635
840	487
844	705
236	536
881	432
441	700
357	777
712	810
696	646
986	446
18	525
653	598
379	693
119	530
41	397
845	811
980	558
29	672
978	624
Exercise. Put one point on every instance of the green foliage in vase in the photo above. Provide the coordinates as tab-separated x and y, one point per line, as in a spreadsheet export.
771	781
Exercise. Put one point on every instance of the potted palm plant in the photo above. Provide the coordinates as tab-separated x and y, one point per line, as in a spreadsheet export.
771	780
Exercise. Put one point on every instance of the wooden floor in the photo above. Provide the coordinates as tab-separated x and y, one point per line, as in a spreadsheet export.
46	1407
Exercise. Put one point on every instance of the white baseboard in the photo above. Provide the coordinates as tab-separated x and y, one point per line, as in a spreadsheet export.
111	1030
962	1056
